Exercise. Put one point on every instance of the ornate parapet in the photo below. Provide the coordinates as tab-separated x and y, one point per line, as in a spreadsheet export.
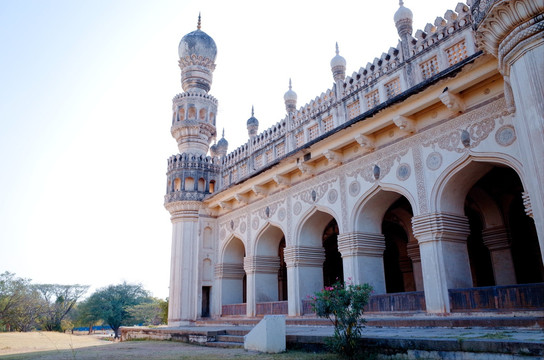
508	28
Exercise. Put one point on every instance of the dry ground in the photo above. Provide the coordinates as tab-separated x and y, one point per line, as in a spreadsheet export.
56	346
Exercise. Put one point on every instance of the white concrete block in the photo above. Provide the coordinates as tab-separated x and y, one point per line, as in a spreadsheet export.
268	336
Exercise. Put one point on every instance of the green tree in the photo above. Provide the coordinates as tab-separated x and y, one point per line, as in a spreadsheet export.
164	311
59	300
20	304
112	304
343	304
149	312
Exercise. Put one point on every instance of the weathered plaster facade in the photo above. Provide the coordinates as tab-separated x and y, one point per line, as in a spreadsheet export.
420	172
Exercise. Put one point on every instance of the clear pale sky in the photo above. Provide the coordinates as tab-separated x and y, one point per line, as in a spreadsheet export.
85	114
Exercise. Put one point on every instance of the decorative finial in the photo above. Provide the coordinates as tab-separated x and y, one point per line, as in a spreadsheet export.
223	136
337	51
198	24
401	3
289	83
252	112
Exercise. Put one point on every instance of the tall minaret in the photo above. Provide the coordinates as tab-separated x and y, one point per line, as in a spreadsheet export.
191	174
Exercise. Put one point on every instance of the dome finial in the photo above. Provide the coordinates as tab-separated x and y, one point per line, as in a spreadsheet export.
223	136
198	23
290	84
401	3
252	112
337	51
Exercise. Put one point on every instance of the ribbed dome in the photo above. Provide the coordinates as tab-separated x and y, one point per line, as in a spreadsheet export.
253	121
338	60
290	95
403	13
222	144
198	43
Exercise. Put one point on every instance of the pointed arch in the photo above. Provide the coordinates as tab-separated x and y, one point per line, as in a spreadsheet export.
309	230
368	212
452	186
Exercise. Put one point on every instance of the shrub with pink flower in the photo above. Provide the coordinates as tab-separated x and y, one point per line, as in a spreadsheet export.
343	304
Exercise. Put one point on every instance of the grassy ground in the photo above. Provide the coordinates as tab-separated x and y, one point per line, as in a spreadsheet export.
63	346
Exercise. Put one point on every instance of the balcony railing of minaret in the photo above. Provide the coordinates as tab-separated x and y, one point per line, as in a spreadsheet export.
193	161
190	94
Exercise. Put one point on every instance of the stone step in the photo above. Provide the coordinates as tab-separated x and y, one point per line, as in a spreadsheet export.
505	321
230	338
236	332
225	344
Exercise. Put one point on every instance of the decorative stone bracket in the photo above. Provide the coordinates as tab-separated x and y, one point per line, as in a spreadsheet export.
452	101
405	123
366	142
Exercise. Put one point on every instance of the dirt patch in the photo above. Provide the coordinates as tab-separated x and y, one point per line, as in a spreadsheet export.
130	350
16	343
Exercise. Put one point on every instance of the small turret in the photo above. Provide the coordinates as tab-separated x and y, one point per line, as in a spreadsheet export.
252	125
403	20
222	146
290	99
338	66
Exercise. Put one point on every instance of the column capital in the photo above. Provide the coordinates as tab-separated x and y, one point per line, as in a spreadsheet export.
361	244
496	238
229	271
508	28
183	210
440	227
304	256
261	264
412	248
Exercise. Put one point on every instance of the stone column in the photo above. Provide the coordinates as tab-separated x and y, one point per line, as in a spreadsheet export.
497	241
304	274
232	285
415	256
362	257
262	280
444	257
513	31
183	296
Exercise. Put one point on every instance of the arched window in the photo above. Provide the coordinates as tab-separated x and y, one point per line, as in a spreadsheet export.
177	184
189	184
202	115
201	184
212	186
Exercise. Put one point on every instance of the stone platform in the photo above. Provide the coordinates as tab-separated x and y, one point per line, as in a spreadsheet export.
431	337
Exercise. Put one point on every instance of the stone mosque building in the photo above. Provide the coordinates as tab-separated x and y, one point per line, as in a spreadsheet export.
421	174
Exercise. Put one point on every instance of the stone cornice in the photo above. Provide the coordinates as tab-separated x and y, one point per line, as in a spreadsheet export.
505	28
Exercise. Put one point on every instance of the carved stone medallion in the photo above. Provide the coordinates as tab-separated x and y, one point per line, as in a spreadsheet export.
506	135
243	227
434	160
281	214
354	188
255	223
332	196
297	208
403	172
